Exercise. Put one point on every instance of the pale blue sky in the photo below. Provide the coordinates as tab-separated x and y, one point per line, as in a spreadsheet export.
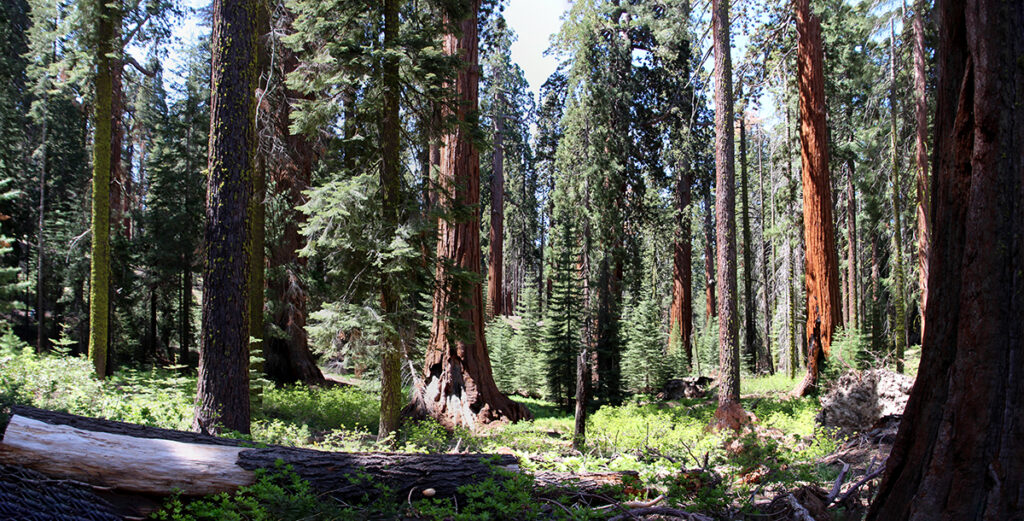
535	21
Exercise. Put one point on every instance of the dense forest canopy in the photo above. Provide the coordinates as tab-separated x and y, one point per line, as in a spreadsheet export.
320	191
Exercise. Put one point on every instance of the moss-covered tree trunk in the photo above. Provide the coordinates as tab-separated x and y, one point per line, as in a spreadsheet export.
729	413
223	390
458	387
958	454
824	312
899	326
390	182
99	271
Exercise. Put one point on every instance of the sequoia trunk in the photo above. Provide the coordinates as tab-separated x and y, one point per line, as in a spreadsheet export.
458	387
681	313
958	453
921	155
823	300
289	358
495	284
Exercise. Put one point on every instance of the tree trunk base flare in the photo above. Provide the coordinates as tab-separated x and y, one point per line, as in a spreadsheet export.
287	362
730	416
137	466
452	397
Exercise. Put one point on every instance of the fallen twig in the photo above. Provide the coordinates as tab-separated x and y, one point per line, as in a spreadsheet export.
635	504
799	511
559	505
838	484
661	511
867	477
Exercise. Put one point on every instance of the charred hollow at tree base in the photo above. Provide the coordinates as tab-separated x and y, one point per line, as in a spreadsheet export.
453	398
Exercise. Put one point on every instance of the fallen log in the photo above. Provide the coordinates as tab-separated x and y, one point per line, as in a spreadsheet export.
152	461
132	459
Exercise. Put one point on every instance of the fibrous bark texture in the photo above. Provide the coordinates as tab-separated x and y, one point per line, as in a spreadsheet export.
958	453
391	184
288	358
495	265
729	414
921	155
150	461
823	300
458	387
223	388
851	240
681	312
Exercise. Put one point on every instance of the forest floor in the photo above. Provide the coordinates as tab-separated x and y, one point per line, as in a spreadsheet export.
722	474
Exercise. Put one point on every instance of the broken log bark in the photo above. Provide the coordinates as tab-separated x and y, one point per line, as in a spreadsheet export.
151	461
147	461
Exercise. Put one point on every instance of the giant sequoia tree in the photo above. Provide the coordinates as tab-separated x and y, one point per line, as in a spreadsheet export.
458	387
223	389
823	304
958	453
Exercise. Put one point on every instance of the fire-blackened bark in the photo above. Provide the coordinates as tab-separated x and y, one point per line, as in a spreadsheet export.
223	389
750	339
823	301
458	387
729	413
958	453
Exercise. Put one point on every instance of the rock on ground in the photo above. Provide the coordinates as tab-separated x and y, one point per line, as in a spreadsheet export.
859	399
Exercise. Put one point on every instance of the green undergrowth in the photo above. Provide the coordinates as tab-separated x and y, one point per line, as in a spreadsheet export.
667	443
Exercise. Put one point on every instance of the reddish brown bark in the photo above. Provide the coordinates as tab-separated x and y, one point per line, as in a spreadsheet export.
458	388
921	155
709	257
823	300
495	299
729	413
288	359
851	241
958	455
681	312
